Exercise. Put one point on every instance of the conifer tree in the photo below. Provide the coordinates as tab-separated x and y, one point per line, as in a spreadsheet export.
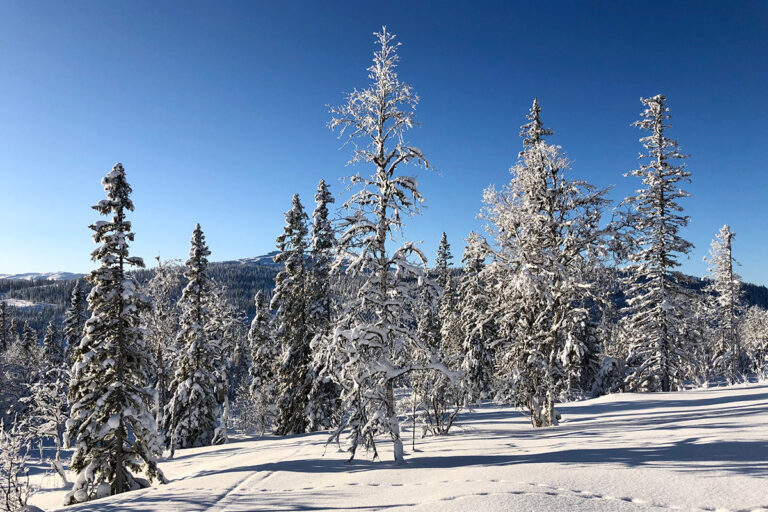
264	355
190	415
656	324
726	306
323	402
290	302
111	428
374	344
52	348
5	339
475	322
74	321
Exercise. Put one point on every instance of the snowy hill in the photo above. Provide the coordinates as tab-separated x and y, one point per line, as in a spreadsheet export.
696	450
265	259
38	276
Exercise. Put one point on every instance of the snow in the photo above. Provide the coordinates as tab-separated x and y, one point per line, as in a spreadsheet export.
22	303
34	276
704	449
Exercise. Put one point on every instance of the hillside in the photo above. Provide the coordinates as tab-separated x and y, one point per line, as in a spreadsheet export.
704	449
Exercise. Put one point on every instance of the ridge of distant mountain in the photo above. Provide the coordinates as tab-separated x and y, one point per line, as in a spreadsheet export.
43	276
265	259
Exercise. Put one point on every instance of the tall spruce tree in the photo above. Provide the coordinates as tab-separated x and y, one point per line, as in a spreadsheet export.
475	321
291	331
190	415
264	355
111	428
74	321
656	325
726	305
374	345
323	403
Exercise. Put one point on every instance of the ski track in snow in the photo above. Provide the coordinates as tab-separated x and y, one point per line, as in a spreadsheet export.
702	451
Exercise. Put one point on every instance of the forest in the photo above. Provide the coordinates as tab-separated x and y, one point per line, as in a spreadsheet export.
354	331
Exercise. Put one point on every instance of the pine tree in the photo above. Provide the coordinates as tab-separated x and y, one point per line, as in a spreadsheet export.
727	296
374	344
111	427
74	321
547	233
290	302
264	355
190	415
475	323
656	324
323	402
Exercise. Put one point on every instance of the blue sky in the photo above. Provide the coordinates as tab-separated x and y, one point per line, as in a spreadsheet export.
218	111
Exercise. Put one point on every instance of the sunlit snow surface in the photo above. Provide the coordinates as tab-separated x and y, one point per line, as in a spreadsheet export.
695	450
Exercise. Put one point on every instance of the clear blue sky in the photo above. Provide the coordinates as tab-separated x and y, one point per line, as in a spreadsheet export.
218	111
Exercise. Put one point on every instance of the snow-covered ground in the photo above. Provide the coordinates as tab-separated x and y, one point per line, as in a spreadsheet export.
695	450
22	303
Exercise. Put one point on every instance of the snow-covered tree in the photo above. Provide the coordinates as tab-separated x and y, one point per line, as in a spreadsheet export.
323	401
162	327
110	426
264	355
52	347
753	329
547	230
190	415
657	322
74	321
290	302
15	489
374	343
725	351
47	411
475	323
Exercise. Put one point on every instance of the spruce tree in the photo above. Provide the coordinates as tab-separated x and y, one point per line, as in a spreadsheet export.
656	323
290	302
74	321
111	428
5	338
52	348
190	415
726	305
475	323
264	355
323	402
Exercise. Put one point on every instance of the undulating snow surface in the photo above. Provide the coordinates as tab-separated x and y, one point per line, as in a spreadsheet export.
695	450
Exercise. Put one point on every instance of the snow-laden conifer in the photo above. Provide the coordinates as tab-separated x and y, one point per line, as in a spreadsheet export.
375	344
323	402
547	230
111	428
656	326
475	321
190	415
291	329
726	305
264	356
74	321
52	348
